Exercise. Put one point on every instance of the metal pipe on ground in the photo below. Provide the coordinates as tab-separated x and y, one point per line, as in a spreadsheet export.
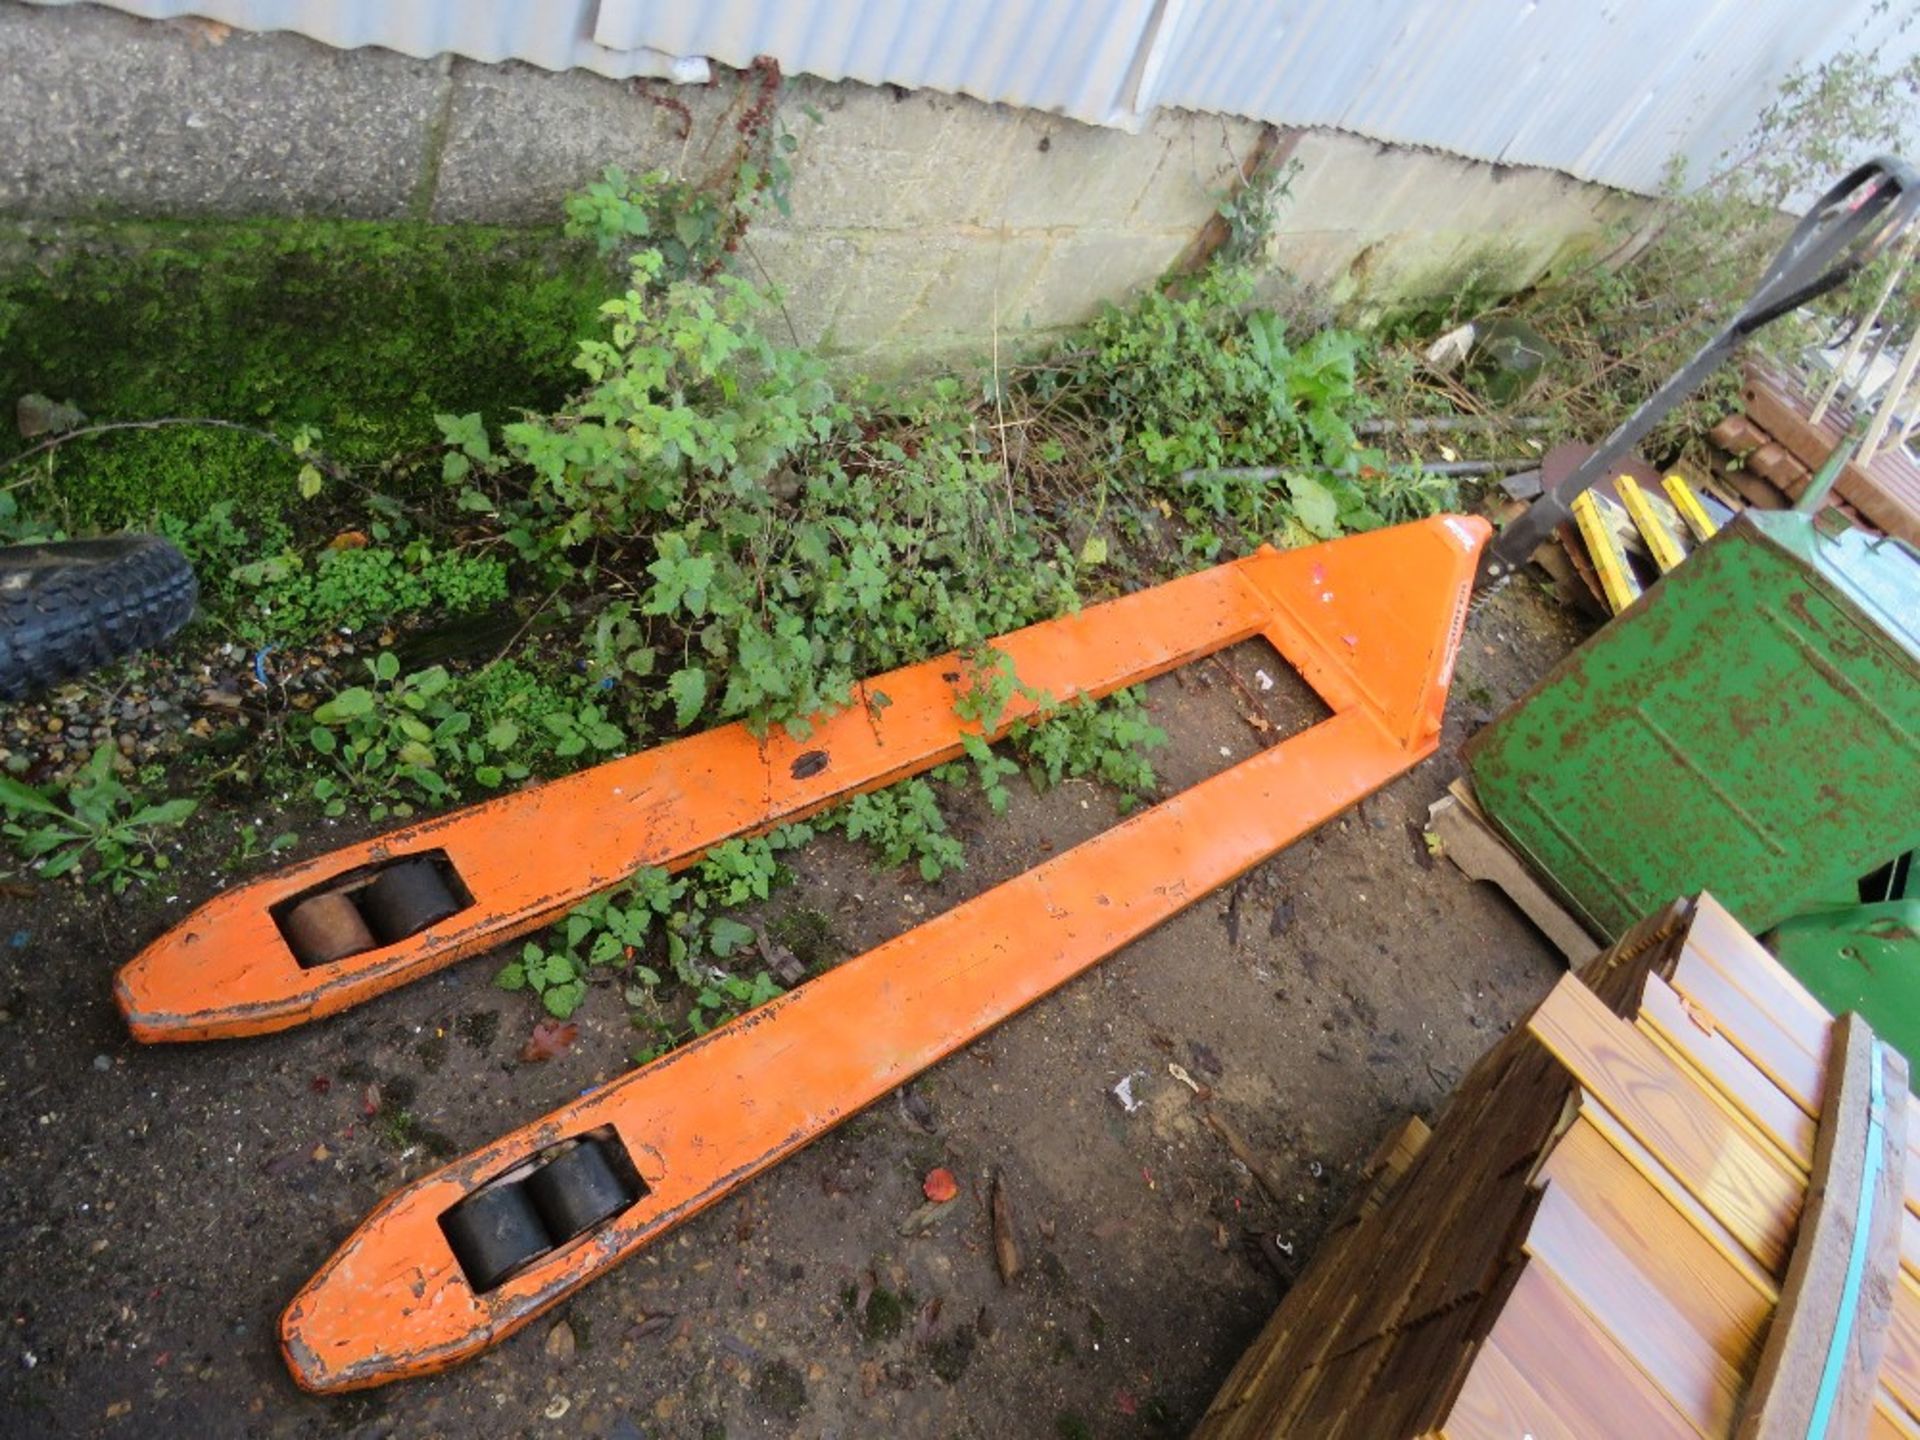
1426	424
1455	468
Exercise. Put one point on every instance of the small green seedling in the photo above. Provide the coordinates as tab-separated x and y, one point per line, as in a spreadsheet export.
101	818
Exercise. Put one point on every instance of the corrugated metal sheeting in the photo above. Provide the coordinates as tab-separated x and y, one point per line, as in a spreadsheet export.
1070	56
553	34
1608	90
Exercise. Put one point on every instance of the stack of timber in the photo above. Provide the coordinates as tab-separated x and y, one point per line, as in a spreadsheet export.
1776	447
1675	1203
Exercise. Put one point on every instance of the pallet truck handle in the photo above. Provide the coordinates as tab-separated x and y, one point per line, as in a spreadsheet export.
1843	232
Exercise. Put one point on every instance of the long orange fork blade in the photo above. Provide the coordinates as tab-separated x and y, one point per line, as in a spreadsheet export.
315	938
463	1257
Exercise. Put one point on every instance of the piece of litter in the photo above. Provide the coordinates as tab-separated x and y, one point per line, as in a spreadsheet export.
1123	1092
1264	680
1179	1073
558	1408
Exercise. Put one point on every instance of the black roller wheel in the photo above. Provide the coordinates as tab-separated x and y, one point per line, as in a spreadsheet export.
70	606
405	899
325	928
495	1233
576	1190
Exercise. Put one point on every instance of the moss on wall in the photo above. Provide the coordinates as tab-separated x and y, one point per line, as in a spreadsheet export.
363	330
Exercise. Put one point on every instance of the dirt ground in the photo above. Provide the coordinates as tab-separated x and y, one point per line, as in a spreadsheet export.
159	1206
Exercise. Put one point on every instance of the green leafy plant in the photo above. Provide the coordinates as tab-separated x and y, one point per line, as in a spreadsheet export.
251	843
778	543
658	931
289	597
553	724
101	819
552	973
404	741
1108	740
901	823
1211	406
259	584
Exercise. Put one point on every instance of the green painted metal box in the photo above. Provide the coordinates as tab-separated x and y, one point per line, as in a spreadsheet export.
1750	726
1861	957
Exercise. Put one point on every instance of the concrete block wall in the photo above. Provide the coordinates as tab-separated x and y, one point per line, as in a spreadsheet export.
923	227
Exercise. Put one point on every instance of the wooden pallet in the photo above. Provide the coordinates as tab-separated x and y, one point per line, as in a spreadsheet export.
1478	851
1634	1217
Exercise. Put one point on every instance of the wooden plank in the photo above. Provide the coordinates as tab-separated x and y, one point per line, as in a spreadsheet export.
1704	1085
1724	943
1620	971
1608	1271
1421	1361
1900	1365
1498	1403
1758	493
1781	1017
1261	1365
1693	1033
1840	1282
1890	1421
1703	1220
1337	1396
1733	1013
1734	1178
1722	1296
1887	491
1499	1119
1577	1368
1479	853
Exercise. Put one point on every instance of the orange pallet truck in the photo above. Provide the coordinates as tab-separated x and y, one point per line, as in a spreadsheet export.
463	1257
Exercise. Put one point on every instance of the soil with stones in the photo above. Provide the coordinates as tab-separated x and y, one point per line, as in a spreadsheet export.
161	1204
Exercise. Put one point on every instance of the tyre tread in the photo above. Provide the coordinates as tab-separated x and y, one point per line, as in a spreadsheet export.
126	595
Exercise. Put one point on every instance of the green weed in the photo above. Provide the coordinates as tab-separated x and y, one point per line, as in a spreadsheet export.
902	823
425	738
665	937
1108	741
101	819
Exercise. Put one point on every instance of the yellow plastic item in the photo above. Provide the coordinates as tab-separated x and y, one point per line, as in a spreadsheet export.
1617	579
1660	540
1690	508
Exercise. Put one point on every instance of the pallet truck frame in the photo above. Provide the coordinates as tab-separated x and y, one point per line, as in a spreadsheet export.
461	1258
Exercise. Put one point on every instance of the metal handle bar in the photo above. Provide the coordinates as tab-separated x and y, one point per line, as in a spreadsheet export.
1844	232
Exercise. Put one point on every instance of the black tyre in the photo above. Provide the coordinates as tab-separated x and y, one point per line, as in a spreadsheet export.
68	607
